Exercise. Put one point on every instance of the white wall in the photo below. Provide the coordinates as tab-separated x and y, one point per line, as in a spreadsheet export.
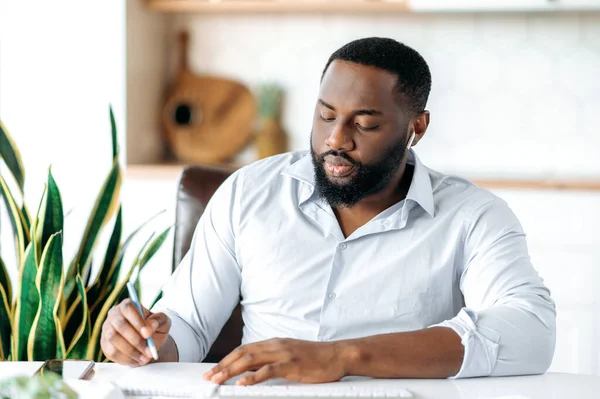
61	64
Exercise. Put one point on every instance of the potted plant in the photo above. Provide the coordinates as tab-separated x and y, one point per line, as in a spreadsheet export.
53	311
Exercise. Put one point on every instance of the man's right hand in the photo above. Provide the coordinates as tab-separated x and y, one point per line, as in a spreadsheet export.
124	334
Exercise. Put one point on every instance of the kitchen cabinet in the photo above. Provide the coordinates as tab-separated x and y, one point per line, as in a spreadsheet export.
369	6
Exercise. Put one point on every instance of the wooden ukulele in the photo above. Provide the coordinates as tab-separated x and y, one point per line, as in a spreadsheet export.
206	119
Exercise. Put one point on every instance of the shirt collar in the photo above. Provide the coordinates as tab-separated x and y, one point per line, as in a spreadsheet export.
302	169
420	189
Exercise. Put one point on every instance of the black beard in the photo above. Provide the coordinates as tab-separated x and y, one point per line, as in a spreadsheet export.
368	179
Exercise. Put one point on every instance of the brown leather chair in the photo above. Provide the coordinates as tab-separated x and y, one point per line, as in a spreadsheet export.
196	185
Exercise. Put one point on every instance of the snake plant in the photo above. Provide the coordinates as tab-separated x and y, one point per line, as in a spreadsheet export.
53	310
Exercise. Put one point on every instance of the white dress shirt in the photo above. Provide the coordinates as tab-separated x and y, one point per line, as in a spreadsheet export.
451	254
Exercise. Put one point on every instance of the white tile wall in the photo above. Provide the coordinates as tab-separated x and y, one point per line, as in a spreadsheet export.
514	95
504	85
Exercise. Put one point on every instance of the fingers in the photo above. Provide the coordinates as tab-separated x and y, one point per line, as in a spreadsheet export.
122	325
246	362
159	322
118	349
272	370
230	358
113	354
122	340
130	312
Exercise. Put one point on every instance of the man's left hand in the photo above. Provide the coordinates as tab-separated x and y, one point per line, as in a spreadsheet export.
296	360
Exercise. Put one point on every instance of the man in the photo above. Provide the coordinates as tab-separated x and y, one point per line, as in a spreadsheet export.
353	259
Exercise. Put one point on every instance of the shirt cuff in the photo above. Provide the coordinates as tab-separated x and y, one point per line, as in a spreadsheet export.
480	353
184	337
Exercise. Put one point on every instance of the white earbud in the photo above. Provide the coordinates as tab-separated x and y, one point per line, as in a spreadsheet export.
410	141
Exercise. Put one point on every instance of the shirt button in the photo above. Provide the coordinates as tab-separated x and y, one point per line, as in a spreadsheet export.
332	295
343	246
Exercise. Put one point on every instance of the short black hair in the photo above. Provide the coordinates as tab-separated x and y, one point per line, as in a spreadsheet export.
414	77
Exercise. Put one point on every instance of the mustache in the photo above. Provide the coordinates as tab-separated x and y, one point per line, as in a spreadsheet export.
339	154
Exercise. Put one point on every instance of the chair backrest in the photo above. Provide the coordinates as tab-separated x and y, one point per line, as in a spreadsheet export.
196	186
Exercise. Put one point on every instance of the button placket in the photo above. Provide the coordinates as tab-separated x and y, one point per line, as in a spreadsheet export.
325	328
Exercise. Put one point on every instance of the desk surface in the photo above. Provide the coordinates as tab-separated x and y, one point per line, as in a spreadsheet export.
548	386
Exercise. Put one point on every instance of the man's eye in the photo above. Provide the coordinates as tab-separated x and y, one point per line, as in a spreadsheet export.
367	128
326	118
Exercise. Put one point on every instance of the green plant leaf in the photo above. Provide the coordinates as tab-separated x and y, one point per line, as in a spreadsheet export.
96	292
81	338
139	256
88	272
50	218
153	248
16	218
111	250
94	350
97	306
12	157
5	325
110	258
5	281
45	339
105	206
145	258
94	344
150	247
113	131
26	217
53	218
27	304
74	315
156	299
36	234
73	300
115	273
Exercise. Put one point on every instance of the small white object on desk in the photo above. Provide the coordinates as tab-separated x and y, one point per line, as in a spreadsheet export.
333	390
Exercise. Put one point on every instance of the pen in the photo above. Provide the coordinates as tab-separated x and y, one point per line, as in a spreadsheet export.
136	302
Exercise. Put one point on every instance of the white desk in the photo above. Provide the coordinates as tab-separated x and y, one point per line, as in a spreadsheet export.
548	386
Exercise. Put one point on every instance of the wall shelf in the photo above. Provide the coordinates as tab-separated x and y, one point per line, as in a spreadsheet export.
232	6
172	172
558	185
367	6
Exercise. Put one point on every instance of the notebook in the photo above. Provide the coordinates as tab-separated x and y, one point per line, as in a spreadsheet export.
95	389
184	380
177	380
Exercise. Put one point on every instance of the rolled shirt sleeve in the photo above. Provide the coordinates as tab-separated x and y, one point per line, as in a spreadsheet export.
205	287
508	324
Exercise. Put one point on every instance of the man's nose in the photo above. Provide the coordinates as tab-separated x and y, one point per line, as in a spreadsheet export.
341	137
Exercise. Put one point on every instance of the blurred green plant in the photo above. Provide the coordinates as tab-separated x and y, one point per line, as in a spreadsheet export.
52	311
48	386
270	96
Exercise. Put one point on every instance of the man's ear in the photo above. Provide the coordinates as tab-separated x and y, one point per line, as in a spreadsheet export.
420	123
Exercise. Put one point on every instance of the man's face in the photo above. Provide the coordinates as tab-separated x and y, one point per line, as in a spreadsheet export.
359	133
